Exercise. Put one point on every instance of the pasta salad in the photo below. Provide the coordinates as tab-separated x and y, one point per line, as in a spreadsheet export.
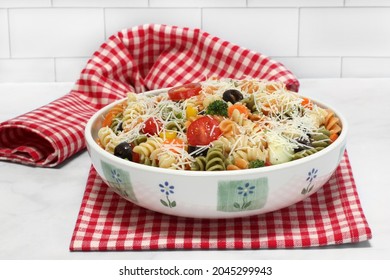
218	124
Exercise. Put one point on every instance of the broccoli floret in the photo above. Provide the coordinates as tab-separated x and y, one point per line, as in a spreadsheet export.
217	107
256	163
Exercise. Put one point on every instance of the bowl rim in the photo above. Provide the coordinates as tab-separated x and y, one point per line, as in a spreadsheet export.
90	141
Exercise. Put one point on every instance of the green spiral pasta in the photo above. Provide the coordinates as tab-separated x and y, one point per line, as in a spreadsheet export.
305	153
199	164
321	138
215	159
140	139
318	141
175	126
116	124
250	103
271	124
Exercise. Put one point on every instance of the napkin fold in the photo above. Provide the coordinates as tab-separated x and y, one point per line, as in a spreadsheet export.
142	58
333	215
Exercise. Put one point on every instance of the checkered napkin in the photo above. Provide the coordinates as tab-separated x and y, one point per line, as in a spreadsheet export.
142	58
333	215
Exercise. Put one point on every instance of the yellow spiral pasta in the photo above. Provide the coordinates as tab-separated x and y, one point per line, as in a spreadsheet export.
132	115
146	148
250	154
225	143
164	158
208	99
239	118
105	135
253	122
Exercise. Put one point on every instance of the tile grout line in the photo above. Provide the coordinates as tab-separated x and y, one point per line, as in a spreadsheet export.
9	34
299	30
55	69
104	24
201	18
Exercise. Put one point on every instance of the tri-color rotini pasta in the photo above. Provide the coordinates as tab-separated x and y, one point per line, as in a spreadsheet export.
218	124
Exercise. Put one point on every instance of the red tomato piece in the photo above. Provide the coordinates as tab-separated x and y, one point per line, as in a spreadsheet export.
184	92
203	131
135	157
152	126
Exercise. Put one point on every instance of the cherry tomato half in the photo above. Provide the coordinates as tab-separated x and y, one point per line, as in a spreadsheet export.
184	92
203	131
152	126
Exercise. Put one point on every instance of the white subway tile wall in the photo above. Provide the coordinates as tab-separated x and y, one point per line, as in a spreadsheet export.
120	18
269	31
55	32
27	70
51	40
68	69
4	36
344	32
197	3
295	3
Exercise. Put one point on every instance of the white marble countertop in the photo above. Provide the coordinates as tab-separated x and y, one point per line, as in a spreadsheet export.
39	206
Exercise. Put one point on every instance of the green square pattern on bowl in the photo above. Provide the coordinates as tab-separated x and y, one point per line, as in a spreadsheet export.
242	195
119	180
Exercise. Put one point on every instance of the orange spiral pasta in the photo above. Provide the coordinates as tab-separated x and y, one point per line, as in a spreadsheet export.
332	123
239	163
112	113
228	127
224	124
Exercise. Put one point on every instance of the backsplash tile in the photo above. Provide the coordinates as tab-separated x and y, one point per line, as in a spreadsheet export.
366	67
118	19
55	32
344	32
100	3
26	70
197	3
51	40
24	3
312	67
68	69
367	3
4	37
268	31
295	3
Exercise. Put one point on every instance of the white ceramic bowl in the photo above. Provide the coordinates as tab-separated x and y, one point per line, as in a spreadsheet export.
218	194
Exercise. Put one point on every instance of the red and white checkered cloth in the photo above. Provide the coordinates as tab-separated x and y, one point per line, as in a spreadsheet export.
142	58
333	215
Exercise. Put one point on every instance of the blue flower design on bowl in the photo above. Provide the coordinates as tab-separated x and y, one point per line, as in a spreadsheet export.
167	189
311	176
244	191
116	176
